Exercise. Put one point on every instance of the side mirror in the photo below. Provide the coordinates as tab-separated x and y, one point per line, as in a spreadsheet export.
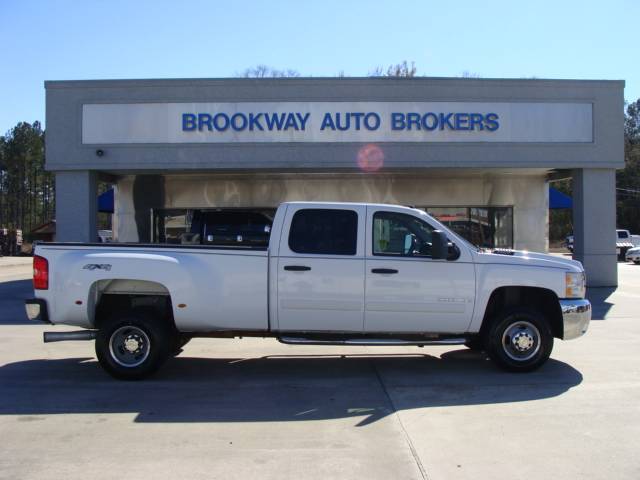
439	245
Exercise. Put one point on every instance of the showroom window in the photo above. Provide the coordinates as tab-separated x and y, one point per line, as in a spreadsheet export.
250	227
489	227
170	225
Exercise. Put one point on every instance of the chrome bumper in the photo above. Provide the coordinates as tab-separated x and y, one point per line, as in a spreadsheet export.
576	315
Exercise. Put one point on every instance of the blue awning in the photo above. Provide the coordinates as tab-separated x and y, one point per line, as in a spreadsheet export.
105	201
557	199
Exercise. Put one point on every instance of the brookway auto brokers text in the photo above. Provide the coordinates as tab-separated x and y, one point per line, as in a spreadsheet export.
430	121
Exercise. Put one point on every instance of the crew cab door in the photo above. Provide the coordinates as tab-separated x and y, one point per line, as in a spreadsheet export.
407	290
320	269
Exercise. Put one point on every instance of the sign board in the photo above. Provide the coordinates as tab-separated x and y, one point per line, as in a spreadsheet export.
336	122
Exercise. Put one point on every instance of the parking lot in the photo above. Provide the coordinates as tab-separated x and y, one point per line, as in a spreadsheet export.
255	408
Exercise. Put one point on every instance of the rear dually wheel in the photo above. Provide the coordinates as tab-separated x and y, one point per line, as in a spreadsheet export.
132	345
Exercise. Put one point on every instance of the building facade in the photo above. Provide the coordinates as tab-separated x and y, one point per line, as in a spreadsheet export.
476	153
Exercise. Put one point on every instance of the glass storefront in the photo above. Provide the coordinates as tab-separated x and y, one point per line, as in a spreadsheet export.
489	227
212	226
170	225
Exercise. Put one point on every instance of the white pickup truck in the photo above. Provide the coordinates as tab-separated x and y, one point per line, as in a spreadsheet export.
333	273
624	242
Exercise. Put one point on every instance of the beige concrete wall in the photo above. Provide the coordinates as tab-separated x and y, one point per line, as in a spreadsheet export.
526	194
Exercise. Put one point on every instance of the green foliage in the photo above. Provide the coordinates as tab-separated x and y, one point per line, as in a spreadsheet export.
628	179
632	123
627	184
26	189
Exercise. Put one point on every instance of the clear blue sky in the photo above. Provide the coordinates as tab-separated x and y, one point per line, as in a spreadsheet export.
60	40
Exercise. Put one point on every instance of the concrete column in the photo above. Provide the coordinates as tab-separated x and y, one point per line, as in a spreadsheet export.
594	224
76	206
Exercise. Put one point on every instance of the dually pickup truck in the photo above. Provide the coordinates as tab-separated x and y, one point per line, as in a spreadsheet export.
333	273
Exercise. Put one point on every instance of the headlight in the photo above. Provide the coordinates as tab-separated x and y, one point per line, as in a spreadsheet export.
575	284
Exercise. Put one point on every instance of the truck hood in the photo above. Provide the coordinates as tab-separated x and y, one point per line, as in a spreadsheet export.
523	257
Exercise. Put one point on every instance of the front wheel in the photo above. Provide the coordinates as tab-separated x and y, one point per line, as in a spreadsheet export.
133	345
520	340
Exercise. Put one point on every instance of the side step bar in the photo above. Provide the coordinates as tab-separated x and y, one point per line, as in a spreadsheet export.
49	337
370	341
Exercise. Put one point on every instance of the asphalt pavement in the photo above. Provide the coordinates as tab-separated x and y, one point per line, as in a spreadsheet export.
255	408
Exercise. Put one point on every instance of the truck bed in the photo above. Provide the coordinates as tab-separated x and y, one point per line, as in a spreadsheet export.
210	288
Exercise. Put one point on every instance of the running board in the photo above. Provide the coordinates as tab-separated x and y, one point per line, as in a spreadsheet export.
373	342
49	337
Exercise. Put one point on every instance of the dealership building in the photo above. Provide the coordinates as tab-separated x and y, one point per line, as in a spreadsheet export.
476	153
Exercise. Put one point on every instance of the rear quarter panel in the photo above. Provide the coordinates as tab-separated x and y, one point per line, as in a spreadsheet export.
219	289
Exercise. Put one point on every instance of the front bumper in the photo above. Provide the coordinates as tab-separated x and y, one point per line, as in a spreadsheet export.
633	257
37	310
576	315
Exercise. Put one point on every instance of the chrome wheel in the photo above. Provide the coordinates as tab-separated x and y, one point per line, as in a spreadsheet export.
521	341
129	346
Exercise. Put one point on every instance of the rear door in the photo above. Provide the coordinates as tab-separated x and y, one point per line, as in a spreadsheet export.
320	269
407	290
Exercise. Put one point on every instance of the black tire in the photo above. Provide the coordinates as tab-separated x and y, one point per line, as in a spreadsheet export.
520	340
475	343
637	262
152	335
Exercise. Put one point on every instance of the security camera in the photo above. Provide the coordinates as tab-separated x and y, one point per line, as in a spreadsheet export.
99	152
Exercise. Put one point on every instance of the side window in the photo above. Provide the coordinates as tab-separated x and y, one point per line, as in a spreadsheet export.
399	234
324	232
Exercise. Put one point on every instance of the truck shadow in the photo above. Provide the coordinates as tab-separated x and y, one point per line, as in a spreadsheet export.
13	293
599	296
275	388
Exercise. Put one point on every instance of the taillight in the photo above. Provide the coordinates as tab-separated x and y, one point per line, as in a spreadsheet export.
40	273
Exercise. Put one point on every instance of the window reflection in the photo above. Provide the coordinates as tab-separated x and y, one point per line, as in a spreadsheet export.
170	225
489	227
232	226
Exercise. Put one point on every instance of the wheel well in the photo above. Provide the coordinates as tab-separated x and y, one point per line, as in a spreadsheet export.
159	305
540	299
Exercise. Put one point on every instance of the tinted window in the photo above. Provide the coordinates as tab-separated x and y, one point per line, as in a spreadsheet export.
326	232
400	234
